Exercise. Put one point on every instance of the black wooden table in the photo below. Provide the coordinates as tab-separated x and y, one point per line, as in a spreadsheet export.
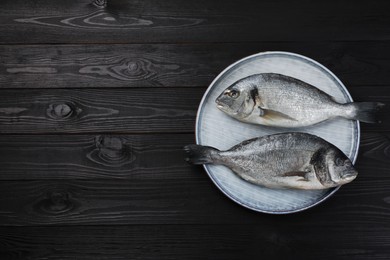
98	99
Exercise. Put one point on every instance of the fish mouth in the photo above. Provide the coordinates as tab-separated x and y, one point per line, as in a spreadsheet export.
220	105
349	176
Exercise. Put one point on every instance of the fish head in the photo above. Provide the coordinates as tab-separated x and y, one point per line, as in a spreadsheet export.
237	100
333	167
340	167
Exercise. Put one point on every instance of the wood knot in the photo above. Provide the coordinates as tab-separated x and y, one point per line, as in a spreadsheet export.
56	202
62	111
132	69
100	3
112	151
132	66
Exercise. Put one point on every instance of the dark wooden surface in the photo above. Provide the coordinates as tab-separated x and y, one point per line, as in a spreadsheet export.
98	99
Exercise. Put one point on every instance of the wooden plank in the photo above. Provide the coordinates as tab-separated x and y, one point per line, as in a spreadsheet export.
123	110
115	110
108	66
121	21
105	202
281	239
177	65
374	148
141	157
175	201
131	157
185	196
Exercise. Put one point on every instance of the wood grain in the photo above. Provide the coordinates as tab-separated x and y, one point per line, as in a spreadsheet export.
175	65
95	157
99	96
282	239
105	202
121	21
184	200
146	110
375	147
108	66
160	193
76	111
141	157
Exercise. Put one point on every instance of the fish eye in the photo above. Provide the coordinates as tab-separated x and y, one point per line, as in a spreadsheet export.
233	93
339	162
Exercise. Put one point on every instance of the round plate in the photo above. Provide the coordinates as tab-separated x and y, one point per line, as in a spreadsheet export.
215	128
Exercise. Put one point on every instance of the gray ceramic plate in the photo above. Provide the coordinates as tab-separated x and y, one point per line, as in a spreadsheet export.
214	128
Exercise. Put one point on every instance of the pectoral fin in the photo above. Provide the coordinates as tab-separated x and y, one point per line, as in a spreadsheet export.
302	174
273	115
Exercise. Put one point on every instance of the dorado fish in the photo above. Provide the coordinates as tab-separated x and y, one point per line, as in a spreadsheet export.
278	100
288	160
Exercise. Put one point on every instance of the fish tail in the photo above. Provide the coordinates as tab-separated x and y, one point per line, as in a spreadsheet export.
365	111
199	154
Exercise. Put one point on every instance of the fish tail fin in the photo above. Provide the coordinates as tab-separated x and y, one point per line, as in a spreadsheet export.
199	154
365	111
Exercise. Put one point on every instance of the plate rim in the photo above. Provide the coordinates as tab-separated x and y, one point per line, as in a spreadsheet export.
205	95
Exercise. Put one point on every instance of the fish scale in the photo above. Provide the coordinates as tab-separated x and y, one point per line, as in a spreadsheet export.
287	160
281	101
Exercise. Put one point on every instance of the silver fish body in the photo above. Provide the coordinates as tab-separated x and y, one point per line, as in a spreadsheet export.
288	160
278	100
